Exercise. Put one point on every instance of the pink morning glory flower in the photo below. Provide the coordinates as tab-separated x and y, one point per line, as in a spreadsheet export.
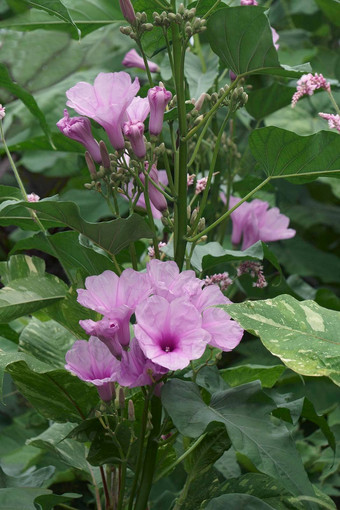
79	129
133	128
170	334
132	59
136	369
116	298
107	331
158	98
157	200
255	221
105	102
92	362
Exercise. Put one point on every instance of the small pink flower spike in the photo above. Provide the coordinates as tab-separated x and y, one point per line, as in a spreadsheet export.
158	98
79	129
2	112
333	120
307	84
105	102
32	197
128	11
132	59
133	129
276	37
249	2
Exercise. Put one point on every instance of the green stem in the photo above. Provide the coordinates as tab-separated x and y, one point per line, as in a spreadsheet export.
150	216
200	53
213	109
228	213
133	256
122	485
211	171
140	451
181	458
207	14
145	62
334	103
150	455
198	144
181	174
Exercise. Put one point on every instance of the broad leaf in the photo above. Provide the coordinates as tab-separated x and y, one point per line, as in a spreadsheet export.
21	266
32	478
200	80
28	100
268	375
331	8
237	501
303	334
56	8
20	498
71	253
245	412
242	38
87	16
266	100
111	236
282	153
26	295
55	393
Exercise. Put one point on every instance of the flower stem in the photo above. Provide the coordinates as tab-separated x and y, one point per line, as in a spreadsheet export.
181	174
150	455
334	103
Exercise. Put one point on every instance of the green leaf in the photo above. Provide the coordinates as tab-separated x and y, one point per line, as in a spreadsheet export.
26	295
266	100
302	334
245	412
200	80
111	236
46	341
282	153
56	8
20	498
28	100
246	373
21	266
242	38
32	478
331	8
71	253
55	393
212	254
55	439
87	16
236	502
209	450
51	501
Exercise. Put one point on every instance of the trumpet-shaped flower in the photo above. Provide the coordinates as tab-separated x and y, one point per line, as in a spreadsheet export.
79	129
132	59
133	128
105	102
157	200
92	362
170	334
255	221
116	298
136	369
158	98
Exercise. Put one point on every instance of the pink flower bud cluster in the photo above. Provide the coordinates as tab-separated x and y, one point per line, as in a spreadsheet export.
191	179
223	280
2	112
175	319
249	2
255	269
32	197
307	84
111	101
333	120
151	250
201	184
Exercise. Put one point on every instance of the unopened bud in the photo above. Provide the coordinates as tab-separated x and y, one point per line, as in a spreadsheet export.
181	8
104	153
172	16
188	212
201	225
178	18
244	98
90	164
121	398
193	216
148	26
128	11
131	411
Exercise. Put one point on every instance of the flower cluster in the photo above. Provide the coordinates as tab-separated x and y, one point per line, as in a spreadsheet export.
175	319
307	84
333	120
255	221
2	112
255	269
221	279
111	101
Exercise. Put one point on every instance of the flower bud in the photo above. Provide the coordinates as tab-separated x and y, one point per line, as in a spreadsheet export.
2	112
128	11
121	398
131	411
79	129
90	164
158	98
104	155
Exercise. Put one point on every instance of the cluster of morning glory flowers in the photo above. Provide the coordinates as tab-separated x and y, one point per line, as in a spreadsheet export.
175	318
